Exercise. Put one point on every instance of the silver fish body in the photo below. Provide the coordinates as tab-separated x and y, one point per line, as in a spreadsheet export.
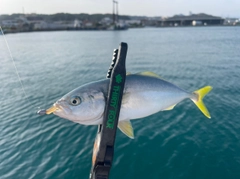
143	95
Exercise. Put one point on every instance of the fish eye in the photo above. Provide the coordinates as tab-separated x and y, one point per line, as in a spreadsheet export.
75	100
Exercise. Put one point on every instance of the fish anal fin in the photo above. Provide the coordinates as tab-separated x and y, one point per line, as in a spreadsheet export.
170	108
126	128
149	73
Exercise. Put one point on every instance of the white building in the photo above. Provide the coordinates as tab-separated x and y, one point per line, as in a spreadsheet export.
77	23
10	23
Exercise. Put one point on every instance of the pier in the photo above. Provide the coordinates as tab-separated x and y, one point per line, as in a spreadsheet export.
191	20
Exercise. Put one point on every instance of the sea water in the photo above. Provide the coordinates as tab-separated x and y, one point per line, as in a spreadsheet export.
181	143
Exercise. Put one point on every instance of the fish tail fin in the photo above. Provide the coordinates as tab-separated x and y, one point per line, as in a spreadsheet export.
198	101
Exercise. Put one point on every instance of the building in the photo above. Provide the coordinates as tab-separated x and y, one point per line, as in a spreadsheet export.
134	23
232	21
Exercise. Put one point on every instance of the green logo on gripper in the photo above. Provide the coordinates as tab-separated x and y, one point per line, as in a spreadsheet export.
118	78
114	99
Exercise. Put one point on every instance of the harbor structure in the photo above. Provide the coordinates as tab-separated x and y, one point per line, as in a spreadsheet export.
191	20
117	24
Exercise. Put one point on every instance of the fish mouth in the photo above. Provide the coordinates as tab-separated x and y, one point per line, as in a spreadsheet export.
58	107
52	109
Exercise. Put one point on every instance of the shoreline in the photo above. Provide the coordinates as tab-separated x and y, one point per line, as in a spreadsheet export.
14	31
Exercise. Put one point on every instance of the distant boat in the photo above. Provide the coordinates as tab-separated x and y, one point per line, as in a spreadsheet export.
121	28
118	26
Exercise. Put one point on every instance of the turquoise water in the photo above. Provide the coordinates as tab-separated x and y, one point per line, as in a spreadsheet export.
181	143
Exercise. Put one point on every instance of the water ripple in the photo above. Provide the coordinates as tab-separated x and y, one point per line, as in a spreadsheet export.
180	143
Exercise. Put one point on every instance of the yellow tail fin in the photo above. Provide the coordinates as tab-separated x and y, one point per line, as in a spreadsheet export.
200	95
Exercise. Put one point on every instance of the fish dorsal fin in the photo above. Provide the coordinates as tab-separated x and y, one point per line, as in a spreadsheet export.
149	73
126	128
170	108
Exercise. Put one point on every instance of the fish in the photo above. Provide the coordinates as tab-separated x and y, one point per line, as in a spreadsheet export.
144	94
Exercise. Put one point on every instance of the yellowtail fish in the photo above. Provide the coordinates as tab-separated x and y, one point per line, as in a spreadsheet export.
144	94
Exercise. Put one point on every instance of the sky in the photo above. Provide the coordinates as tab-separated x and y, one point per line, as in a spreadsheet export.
223	8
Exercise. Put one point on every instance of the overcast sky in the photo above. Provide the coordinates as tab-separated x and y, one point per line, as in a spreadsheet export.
224	8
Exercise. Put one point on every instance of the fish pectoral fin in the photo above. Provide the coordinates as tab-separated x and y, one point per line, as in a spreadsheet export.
125	98
128	73
170	108
126	128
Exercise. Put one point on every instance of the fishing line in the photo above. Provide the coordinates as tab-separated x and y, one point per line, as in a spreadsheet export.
16	70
